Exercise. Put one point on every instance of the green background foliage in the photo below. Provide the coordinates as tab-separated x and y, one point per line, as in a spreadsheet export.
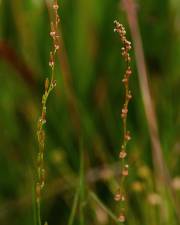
84	113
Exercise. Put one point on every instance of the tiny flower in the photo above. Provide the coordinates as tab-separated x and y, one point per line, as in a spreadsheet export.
56	46
127	136
55	6
125	110
129	71
117	197
129	59
125	171
52	34
121	217
54	83
125	80
122	154
51	61
129	96
51	64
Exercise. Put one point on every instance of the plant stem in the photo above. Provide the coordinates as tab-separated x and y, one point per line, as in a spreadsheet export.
74	207
81	184
101	204
38	213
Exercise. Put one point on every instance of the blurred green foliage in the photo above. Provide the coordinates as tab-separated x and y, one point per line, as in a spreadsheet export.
96	70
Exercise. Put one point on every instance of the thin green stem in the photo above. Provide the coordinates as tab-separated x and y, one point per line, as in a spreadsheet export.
34	206
101	204
81	184
38	212
74	207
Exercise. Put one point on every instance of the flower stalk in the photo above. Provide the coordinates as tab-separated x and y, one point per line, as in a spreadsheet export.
121	195
48	87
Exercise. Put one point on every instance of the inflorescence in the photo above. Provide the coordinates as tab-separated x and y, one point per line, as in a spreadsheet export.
121	195
49	86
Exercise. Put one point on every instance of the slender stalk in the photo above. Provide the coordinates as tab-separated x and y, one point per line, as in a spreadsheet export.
101	204
81	185
74	207
49	86
120	195
162	172
38	213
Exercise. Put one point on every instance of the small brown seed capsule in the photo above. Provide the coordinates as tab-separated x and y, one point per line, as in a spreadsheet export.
125	110
122	154
125	171
129	71
52	34
121	217
117	197
55	6
51	61
56	47
128	136
124	80
129	96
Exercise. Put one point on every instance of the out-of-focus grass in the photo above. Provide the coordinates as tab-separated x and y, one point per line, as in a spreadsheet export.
96	71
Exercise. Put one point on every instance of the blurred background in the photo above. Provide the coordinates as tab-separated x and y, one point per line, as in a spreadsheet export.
84	129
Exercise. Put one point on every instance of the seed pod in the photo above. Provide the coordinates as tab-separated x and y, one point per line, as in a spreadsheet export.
55	6
127	136
125	171
117	197
125	80
122	154
121	217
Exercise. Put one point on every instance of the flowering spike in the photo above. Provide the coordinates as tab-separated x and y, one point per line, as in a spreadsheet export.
48	86
119	28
